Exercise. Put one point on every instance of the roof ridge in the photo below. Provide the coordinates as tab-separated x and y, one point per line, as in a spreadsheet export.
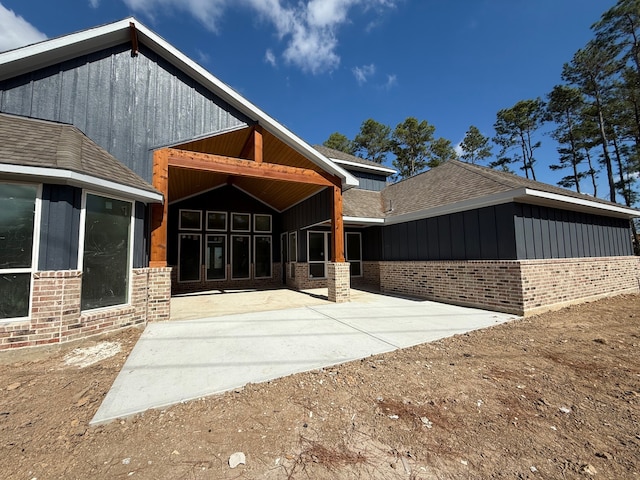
483	171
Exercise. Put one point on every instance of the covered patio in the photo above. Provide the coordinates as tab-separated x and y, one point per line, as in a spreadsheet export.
263	167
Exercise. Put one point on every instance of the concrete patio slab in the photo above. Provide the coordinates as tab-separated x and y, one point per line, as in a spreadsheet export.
183	360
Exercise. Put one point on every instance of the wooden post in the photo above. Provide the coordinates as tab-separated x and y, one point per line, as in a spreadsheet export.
337	226
257	144
159	213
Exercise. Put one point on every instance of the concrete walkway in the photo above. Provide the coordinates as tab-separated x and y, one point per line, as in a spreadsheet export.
182	360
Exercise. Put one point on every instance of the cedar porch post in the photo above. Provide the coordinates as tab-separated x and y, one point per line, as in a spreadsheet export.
159	213
337	226
338	275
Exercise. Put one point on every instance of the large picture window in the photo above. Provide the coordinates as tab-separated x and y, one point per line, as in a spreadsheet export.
354	253
216	257
190	249
318	248
240	257
17	235
106	257
262	256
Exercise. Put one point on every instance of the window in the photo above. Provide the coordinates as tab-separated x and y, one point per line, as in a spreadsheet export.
354	253
106	257
240	260
216	259
240	222
217	221
18	206
262	256
293	247
262	223
189	255
190	220
318	246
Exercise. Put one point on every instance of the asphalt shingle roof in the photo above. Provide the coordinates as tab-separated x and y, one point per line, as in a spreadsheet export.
340	155
39	143
455	181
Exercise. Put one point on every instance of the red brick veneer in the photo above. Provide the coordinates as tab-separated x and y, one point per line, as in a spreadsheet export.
56	316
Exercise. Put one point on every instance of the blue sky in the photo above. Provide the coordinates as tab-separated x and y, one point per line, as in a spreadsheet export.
320	66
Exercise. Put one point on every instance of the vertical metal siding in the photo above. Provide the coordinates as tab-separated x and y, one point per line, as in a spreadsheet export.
542	232
127	105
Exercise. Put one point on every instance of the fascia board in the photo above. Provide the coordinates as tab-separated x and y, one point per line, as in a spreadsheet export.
363	167
68	177
364	220
538	196
490	200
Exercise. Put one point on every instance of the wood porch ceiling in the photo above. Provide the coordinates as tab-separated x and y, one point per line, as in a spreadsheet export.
239	144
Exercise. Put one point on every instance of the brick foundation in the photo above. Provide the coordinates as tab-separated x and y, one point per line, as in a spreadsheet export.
56	316
521	287
300	279
338	282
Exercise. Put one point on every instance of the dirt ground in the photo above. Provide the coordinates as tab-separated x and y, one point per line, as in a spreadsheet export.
553	396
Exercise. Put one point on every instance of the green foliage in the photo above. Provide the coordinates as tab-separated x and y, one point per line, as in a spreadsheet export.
411	141
340	142
373	142
475	146
440	151
515	128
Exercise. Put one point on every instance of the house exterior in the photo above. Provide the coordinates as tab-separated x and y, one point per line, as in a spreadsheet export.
202	190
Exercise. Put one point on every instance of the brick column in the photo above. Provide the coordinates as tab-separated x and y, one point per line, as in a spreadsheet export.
159	294
338	282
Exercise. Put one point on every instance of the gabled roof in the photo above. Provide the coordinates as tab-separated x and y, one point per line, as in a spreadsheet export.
457	186
56	50
353	162
60	153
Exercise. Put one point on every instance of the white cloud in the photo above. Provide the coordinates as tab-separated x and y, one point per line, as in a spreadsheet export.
308	28
392	81
270	58
15	31
202	57
94	3
363	73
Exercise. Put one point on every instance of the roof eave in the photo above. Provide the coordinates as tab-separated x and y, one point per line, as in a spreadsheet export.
67	177
523	195
49	52
585	205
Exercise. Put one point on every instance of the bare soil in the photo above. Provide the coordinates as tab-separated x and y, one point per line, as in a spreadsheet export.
552	396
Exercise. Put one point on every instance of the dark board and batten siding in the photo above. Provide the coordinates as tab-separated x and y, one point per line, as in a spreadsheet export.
543	232
369	181
510	231
59	227
481	234
312	211
127	105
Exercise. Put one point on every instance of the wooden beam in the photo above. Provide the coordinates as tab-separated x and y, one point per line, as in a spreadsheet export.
244	168
337	226
257	144
247	148
134	39
159	213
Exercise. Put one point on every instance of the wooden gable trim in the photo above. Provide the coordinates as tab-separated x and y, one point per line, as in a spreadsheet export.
253	147
246	168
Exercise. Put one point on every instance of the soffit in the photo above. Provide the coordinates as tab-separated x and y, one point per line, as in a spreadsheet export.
280	195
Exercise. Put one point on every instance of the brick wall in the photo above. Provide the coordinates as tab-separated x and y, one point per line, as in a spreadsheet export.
490	284
370	276
560	282
56	316
520	287
301	280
